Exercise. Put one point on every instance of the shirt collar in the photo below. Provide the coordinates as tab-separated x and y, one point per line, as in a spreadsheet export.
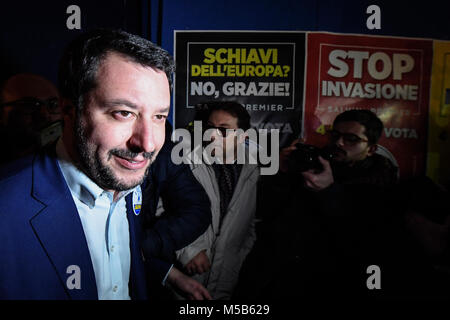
81	186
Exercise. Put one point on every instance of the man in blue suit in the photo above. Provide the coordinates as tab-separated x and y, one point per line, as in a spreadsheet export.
70	215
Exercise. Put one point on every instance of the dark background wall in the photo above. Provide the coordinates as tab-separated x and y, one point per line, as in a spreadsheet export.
428	19
34	33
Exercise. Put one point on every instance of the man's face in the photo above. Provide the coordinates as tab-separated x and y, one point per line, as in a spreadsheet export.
228	142
31	105
121	128
352	141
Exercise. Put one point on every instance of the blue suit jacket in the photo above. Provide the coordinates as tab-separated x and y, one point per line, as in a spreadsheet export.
187	207
41	235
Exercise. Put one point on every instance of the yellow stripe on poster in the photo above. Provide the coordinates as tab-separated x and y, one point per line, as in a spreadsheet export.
438	167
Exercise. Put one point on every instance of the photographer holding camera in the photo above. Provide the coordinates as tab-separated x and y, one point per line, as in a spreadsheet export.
332	218
352	154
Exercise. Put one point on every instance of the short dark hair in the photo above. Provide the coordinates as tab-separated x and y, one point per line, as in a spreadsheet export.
81	59
232	107
372	124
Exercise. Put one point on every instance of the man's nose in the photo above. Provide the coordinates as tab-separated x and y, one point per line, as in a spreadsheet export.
340	142
143	137
215	134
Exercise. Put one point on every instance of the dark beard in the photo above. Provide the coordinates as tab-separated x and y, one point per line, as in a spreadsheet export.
92	166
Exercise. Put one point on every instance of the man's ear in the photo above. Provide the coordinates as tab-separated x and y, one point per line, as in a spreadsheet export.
372	149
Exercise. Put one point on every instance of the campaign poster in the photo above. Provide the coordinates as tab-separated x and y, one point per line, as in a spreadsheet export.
438	165
263	71
388	75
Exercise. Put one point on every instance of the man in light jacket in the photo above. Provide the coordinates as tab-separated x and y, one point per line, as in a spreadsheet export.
215	258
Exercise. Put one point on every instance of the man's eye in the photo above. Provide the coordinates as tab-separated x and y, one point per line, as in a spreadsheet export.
123	114
161	117
351	138
334	135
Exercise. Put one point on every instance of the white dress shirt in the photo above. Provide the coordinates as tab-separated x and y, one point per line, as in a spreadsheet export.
105	227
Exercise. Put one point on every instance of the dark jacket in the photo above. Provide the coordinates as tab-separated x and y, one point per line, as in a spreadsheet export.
319	244
187	212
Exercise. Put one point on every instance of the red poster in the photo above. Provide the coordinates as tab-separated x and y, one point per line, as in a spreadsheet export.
390	76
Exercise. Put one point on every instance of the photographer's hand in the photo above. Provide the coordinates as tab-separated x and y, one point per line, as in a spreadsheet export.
319	180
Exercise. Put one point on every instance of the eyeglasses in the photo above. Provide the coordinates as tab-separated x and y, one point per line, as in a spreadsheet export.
31	105
222	131
349	139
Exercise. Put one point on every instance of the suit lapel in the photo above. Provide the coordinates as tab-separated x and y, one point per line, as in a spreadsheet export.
59	229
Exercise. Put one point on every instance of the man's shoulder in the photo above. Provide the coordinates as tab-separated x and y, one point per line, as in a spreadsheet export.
373	172
382	164
163	168
16	178
16	171
381	161
16	188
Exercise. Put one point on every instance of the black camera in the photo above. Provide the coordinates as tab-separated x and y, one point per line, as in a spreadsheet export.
306	157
